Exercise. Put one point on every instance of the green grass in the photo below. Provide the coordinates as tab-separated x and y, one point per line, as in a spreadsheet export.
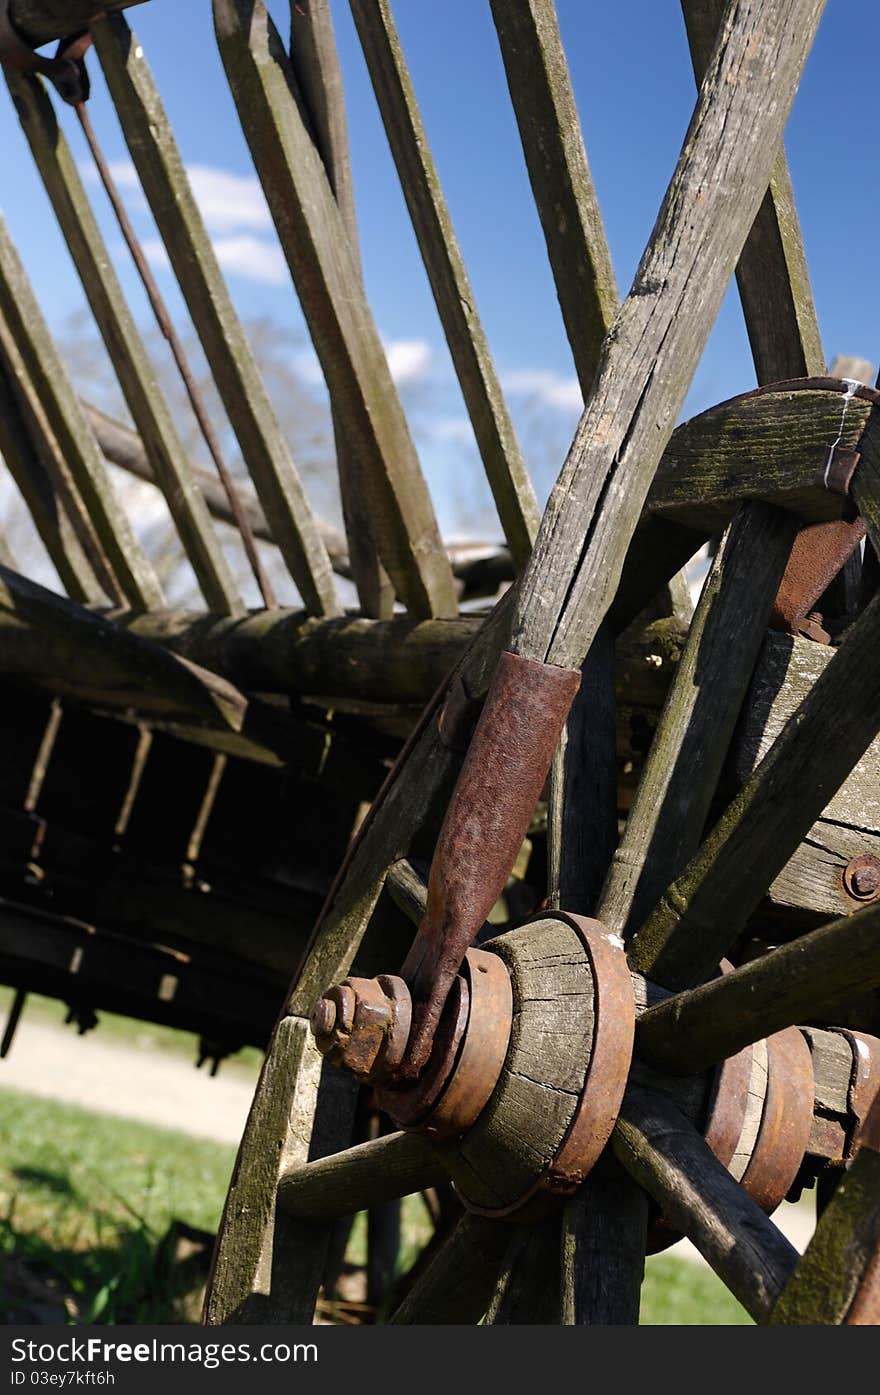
677	1293
128	1031
85	1200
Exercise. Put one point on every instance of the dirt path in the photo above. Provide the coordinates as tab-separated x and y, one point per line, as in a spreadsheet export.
152	1087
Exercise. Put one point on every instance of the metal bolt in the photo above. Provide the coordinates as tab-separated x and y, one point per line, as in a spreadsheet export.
861	877
323	1018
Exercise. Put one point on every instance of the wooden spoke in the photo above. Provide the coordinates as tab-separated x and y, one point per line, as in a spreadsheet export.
592	513
702	914
528	1286
603	1252
166	185
364	1176
314	239
667	819
43	492
542	97
666	1155
774	284
128	573
124	345
315	62
458	1284
802	981
496	440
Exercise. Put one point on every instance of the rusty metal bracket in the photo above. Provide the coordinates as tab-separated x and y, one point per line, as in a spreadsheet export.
66	71
487	818
818	554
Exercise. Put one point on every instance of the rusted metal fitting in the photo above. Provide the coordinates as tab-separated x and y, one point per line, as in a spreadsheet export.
66	71
819	553
762	1148
812	627
595	960
363	1024
861	877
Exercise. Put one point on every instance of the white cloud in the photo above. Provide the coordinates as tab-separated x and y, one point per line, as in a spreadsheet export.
408	359
252	258
228	200
550	389
457	430
245	256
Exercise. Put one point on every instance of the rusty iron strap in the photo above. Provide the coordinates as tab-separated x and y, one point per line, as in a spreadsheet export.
487	818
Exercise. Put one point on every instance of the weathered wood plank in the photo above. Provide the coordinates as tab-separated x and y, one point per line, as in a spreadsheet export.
314	240
812	879
772	445
316	65
496	440
801	981
136	374
527	1291
278	1133
549	127
786	672
701	915
40	492
40	21
58	646
679	780
603	1251
364	1176
135	576
662	327
666	1155
582	803
166	185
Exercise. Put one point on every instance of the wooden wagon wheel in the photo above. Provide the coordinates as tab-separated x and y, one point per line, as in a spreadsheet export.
567	1072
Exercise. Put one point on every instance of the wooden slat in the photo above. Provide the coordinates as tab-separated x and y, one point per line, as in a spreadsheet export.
802	981
58	646
40	493
496	440
166	185
712	200
702	913
315	62
549	127
667	820
39	21
313	236
457	1285
364	1176
136	374
135	576
664	1153
603	1251
772	275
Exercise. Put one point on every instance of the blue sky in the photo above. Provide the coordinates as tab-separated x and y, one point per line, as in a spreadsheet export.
635	91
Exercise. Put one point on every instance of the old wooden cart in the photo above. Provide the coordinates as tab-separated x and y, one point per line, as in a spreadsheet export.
668	1027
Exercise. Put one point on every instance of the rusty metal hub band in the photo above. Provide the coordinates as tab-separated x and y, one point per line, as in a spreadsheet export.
567	1066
